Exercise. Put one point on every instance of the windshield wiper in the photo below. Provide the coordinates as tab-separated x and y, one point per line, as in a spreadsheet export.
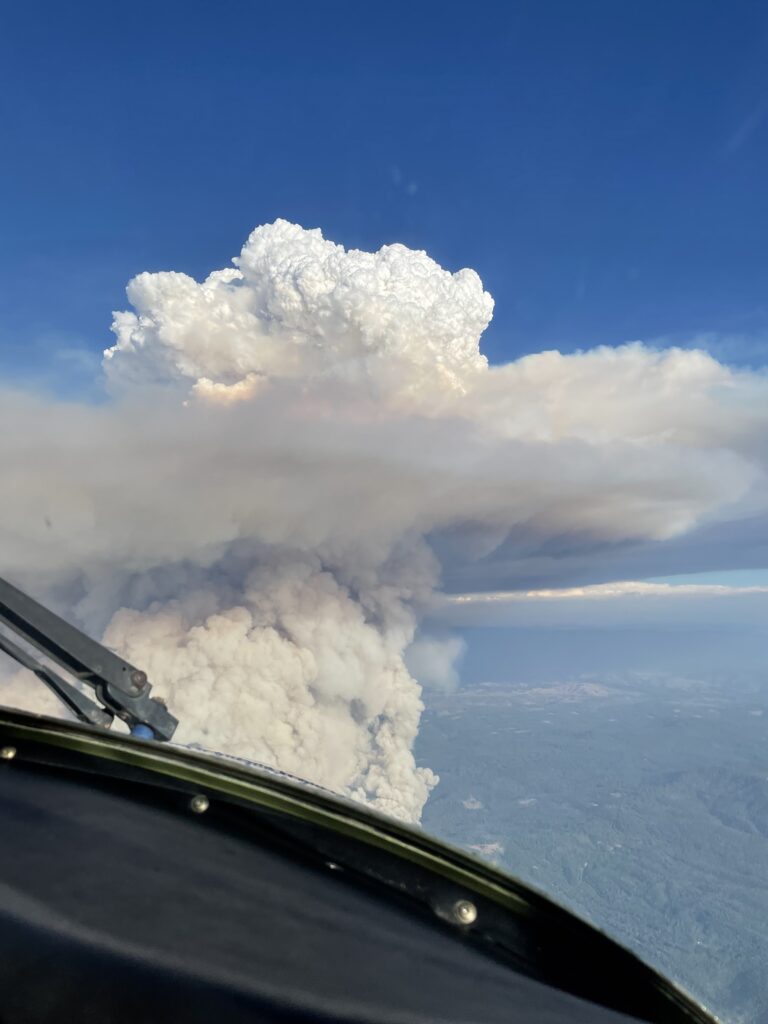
121	689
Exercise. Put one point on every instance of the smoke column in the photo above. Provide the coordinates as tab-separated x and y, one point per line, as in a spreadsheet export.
256	514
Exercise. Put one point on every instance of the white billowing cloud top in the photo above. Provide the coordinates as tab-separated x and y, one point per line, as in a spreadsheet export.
296	448
299	306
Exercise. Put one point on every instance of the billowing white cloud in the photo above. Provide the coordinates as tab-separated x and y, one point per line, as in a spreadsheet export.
297	306
306	679
297	447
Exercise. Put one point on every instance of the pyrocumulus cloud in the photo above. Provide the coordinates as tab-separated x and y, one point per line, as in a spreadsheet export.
252	514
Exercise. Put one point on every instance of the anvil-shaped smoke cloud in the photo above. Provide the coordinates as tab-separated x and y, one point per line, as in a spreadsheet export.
252	514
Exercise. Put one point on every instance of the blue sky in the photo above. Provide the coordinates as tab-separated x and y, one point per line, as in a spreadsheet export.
602	165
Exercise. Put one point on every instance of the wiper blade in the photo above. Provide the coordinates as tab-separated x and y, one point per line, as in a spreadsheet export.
122	689
77	702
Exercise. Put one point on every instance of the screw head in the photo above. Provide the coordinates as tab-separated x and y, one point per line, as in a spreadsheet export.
199	804
137	681
7	753
465	912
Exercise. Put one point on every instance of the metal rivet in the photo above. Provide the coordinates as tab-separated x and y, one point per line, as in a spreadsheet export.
465	912
199	804
8	753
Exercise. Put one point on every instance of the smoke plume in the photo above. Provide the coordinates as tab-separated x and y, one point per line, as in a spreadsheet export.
290	453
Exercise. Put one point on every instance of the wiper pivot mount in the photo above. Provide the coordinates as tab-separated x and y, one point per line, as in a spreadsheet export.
122	689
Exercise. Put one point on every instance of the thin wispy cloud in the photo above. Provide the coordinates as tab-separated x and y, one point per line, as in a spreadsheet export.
607	591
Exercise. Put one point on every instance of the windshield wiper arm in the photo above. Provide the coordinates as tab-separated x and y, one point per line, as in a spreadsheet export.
120	687
80	705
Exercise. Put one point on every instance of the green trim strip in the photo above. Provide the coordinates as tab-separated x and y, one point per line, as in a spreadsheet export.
275	793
